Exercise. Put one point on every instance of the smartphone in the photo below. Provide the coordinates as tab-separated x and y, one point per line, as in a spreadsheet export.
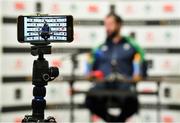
45	29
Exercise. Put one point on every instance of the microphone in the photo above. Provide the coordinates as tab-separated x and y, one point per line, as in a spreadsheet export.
97	75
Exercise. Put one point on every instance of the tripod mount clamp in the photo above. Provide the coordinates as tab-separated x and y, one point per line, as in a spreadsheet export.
40	49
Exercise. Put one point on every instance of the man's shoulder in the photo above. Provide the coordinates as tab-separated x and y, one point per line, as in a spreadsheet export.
135	45
130	40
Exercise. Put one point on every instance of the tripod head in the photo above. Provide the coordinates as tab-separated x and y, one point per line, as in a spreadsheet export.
47	73
40	49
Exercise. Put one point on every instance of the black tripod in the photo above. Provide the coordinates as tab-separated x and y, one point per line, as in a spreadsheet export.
42	74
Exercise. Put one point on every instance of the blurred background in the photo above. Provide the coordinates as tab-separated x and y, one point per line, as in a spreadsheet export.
155	24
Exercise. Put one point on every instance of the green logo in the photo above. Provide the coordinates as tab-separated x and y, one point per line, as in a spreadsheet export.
147	8
168	35
73	8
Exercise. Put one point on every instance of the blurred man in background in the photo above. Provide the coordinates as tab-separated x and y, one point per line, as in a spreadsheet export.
118	54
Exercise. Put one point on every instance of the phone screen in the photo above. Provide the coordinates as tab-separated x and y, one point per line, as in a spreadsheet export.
47	28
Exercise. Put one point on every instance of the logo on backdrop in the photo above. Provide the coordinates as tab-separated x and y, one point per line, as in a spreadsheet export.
55	8
93	8
20	6
168	8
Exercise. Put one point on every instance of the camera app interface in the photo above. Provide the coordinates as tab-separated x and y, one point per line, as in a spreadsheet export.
45	28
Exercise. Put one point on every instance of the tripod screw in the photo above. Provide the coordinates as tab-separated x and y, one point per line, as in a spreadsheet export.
46	77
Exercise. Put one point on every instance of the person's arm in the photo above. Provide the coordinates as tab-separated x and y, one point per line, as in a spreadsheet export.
93	70
137	60
137	71
93	60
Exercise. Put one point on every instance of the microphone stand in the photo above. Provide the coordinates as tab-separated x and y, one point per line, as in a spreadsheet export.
72	80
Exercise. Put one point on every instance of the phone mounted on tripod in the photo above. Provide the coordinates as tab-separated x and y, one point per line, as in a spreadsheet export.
40	31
